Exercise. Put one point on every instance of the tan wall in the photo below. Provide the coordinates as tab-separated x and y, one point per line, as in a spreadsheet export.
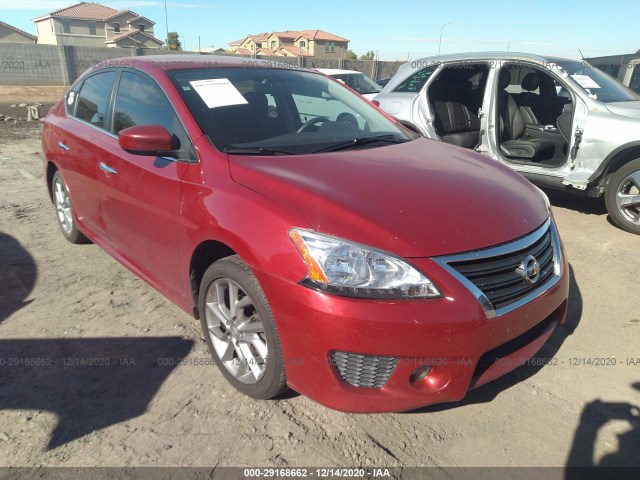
319	49
9	35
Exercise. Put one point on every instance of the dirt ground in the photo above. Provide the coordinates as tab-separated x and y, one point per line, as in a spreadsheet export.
62	304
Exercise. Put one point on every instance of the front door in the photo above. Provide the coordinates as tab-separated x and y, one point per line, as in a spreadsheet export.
141	193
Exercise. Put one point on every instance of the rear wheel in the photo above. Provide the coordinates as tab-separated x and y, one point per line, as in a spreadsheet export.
622	197
64	210
239	329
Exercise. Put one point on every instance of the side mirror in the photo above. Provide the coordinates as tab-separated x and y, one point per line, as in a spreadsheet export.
145	140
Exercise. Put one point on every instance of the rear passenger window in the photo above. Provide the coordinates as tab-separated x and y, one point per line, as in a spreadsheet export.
415	82
93	98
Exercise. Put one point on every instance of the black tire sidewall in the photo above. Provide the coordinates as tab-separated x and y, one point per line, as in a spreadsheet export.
272	382
610	196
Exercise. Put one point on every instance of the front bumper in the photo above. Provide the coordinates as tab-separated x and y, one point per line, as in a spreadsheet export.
453	335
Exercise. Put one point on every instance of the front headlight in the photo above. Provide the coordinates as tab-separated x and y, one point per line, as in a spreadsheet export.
349	269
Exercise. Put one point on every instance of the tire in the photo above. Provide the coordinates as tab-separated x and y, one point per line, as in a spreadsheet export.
348	119
64	211
622	197
244	344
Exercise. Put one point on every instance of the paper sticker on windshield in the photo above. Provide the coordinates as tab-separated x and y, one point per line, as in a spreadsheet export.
218	92
585	81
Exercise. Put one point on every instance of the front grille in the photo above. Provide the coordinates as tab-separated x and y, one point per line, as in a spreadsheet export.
364	370
494	271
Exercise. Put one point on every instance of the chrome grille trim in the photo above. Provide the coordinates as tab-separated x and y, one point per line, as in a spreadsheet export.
505	249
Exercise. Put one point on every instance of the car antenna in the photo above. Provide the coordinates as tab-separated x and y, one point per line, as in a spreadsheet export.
581	55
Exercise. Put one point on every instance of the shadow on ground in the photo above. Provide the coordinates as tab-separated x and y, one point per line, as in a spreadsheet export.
624	463
18	273
88	383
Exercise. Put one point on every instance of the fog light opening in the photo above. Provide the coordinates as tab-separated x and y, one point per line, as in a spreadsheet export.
420	373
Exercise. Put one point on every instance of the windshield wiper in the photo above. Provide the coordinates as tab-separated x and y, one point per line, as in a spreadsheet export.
357	142
258	151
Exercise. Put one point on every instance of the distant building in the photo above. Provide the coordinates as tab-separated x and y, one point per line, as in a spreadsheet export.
9	33
292	43
89	24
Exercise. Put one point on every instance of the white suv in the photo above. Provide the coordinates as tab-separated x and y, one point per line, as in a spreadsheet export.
561	123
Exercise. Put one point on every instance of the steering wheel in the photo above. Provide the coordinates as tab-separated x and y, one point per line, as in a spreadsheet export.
305	126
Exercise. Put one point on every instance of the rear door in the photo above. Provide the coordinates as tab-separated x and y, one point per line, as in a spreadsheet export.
141	193
82	142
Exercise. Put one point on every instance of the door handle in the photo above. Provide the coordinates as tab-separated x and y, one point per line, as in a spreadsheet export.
63	146
107	168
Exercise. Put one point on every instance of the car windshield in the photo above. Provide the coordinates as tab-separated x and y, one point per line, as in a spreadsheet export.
595	82
268	111
359	82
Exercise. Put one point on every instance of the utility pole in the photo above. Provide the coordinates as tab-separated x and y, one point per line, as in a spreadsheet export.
441	30
166	22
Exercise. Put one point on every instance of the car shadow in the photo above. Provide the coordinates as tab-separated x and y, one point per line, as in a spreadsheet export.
621	464
490	391
577	202
89	383
18	274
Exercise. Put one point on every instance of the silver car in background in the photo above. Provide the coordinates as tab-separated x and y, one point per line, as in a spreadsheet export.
559	122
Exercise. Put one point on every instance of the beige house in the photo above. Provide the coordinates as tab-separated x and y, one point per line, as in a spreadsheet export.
89	24
9	33
292	43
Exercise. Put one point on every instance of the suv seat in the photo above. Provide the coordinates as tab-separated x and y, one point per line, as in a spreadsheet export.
456	124
512	127
531	106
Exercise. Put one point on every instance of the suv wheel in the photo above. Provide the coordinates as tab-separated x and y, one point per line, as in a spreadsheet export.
239	329
622	197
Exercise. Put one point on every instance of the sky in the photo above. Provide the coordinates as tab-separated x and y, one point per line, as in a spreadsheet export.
395	31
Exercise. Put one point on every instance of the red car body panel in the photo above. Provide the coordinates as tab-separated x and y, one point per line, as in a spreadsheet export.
354	195
416	200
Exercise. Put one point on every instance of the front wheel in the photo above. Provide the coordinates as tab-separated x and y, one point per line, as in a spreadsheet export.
622	197
239	329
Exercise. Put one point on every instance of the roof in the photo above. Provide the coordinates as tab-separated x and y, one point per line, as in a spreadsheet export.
320	35
336	71
295	50
138	17
17	30
405	69
132	35
267	51
237	42
168	62
84	10
242	51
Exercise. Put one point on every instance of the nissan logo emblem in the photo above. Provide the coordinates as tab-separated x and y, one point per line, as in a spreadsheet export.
529	269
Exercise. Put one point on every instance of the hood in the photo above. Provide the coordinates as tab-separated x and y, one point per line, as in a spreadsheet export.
417	199
625	109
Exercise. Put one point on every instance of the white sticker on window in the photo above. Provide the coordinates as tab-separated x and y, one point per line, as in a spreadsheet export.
71	98
218	92
585	81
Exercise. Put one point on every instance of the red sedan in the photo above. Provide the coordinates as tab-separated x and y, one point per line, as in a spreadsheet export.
322	245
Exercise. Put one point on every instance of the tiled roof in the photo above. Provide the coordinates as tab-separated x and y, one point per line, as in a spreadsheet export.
238	42
292	34
321	35
138	17
17	30
295	50
267	51
132	35
84	10
242	51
